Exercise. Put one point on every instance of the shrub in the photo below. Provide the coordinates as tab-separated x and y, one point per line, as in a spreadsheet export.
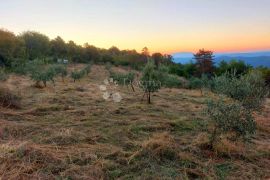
248	89
150	80
60	70
171	81
87	69
8	99
124	78
43	75
195	83
230	117
3	75
166	79
240	67
77	75
244	94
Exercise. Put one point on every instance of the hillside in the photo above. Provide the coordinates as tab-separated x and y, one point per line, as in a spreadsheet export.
69	131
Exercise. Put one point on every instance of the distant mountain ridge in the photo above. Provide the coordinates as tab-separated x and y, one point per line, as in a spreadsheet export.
255	59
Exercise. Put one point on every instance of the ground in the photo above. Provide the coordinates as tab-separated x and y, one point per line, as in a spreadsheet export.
69	131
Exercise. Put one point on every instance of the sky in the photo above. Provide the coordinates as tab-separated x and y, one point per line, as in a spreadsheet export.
165	26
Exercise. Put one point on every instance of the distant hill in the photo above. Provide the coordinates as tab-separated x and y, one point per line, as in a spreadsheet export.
255	59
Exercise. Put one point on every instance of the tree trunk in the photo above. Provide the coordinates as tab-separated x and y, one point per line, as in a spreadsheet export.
132	87
149	98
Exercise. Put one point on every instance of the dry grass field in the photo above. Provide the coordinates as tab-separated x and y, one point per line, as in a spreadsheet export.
69	131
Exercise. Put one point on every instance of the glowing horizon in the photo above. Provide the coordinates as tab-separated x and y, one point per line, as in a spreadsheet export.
162	26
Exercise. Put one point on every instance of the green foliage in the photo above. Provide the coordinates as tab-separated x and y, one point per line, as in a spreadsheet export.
11	48
3	75
184	70
150	80
43	75
123	78
36	44
233	114
230	117
195	83
248	89
239	67
202	83
166	79
87	69
60	70
266	74
77	75
171	81
58	48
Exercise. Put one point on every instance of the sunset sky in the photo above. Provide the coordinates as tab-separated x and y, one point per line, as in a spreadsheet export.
162	25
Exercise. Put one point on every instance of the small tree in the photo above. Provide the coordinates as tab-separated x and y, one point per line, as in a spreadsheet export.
43	76
77	75
166	79
241	96
249	89
60	70
124	79
230	118
204	61
87	69
150	80
3	75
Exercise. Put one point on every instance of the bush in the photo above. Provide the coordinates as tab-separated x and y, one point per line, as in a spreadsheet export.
266	75
60	70
87	69
230	118
8	99
44	76
166	79
240	67
40	73
195	83
77	75
171	81
124	78
3	75
248	89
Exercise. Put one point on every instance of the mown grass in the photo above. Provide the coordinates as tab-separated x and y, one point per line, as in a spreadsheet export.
70	132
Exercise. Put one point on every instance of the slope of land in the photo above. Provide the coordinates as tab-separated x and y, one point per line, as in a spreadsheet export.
69	131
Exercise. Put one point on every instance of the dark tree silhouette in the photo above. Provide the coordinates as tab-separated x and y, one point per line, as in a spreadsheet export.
204	61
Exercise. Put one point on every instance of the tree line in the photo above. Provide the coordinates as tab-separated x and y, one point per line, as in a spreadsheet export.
31	45
17	50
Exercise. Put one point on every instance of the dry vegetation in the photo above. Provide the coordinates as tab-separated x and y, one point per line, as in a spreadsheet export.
70	132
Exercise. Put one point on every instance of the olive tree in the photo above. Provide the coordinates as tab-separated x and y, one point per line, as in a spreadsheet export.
230	118
124	78
232	112
43	76
150	80
249	89
60	70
